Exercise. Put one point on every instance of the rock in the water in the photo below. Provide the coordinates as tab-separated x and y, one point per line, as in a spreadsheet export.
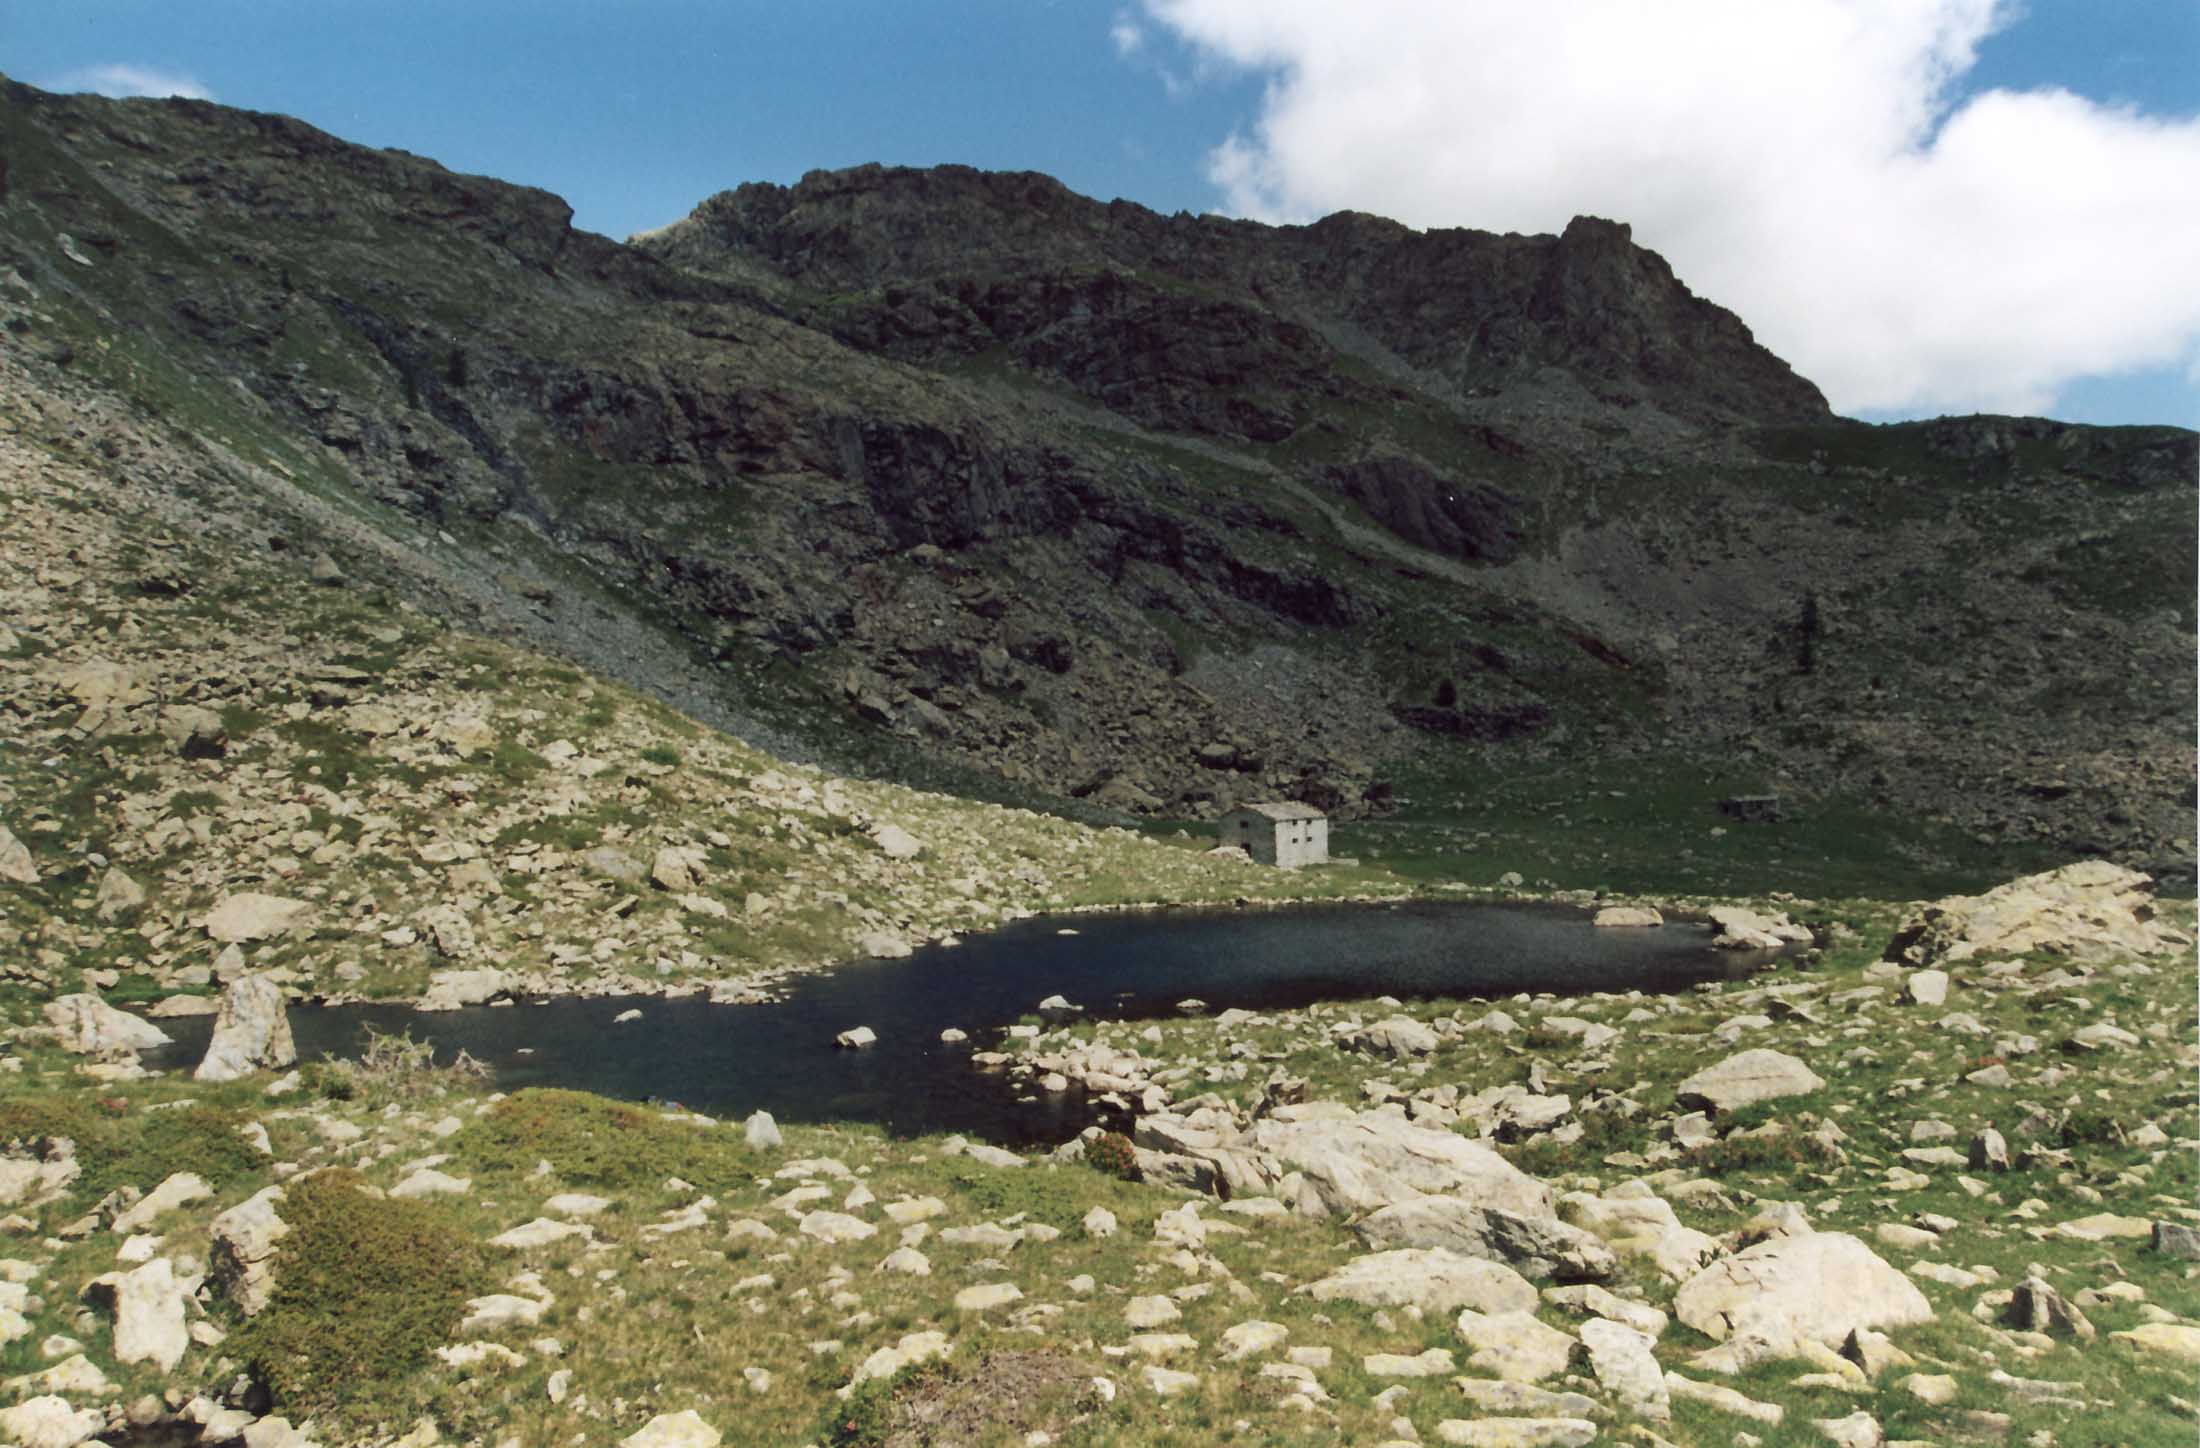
249	916
1431	1279
450	990
2092	910
251	1033
856	1039
684	1429
884	945
1746	1078
1627	917
89	1026
1777	1295
1056	1009
1538	1247
244	1249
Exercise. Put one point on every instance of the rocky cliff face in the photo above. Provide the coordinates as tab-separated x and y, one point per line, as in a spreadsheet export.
967	479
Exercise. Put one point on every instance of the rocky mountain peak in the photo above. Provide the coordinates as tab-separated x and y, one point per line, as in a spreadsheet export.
1484	311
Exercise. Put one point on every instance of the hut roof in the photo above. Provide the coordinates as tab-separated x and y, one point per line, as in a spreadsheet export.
1287	809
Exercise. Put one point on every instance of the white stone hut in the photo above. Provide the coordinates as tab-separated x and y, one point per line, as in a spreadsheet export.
1286	834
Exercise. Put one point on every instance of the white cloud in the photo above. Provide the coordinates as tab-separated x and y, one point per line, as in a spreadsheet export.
1127	37
124	81
1808	164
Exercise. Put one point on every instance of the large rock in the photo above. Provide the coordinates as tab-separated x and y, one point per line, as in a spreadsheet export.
1537	1247
243	1262
1745	1078
148	1307
178	1189
1400	1036
1366	1163
251	1033
89	1026
16	864
896	843
248	916
1622	1361
49	1422
1431	1279
1636	1222
1818	1287
1740	928
673	1430
2092	910
118	895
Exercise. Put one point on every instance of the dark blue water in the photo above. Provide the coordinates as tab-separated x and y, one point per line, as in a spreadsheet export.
781	1057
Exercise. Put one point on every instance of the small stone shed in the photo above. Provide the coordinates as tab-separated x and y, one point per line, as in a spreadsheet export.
1286	834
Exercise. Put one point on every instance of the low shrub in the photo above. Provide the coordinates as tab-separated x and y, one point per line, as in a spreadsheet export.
592	1141
1111	1152
365	1288
392	1068
119	1143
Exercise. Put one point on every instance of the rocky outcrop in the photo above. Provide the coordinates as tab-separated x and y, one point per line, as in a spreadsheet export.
2091	910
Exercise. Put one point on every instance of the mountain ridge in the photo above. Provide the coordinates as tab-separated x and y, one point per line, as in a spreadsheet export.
1159	537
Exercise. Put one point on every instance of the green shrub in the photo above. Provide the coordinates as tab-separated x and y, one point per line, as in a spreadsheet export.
861	1421
663	754
1111	1152
593	1141
119	1143
365	1288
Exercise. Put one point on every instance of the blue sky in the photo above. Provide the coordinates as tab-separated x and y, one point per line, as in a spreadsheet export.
635	111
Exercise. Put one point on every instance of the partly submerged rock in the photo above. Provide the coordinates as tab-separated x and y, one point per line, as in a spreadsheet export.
251	1033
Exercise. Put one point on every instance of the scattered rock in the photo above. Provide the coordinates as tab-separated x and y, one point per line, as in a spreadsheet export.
1746	1078
249	916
